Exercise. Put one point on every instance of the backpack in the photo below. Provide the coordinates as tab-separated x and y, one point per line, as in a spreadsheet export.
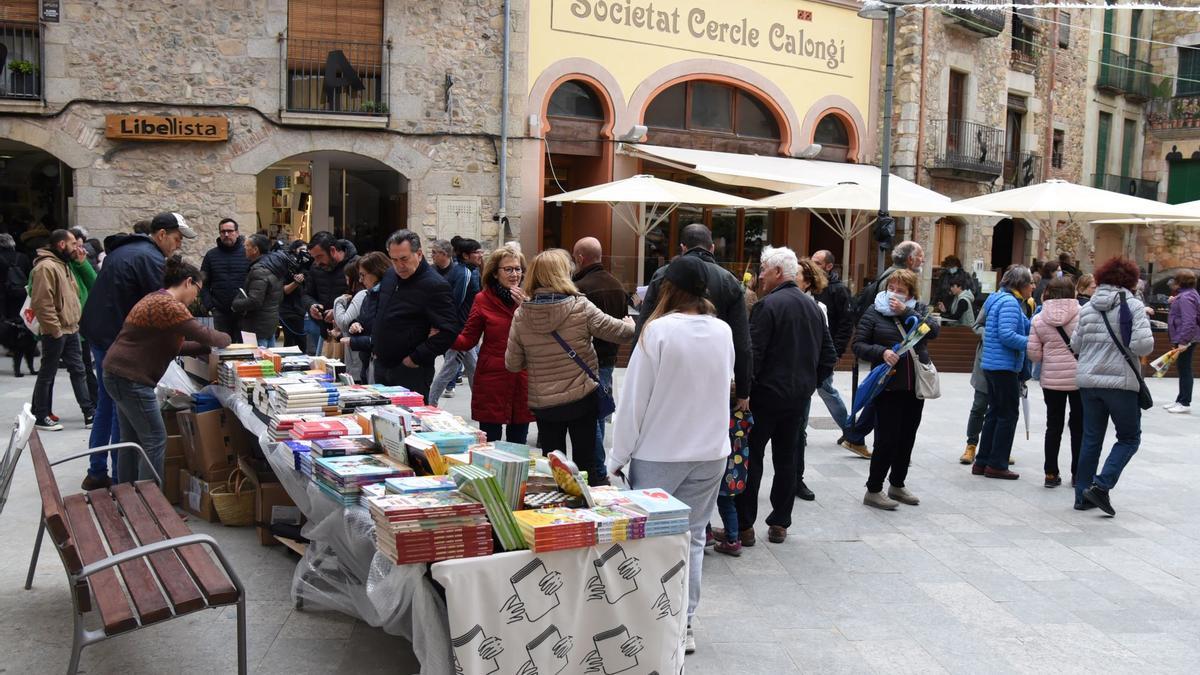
866	297
15	282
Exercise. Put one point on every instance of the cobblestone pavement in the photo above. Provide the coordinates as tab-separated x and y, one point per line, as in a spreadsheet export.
983	576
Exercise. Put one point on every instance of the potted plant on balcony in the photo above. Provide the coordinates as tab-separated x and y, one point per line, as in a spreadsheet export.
377	108
24	77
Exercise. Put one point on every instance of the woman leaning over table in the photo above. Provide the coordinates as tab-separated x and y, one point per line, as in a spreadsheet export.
158	328
672	424
1183	328
1050	345
499	398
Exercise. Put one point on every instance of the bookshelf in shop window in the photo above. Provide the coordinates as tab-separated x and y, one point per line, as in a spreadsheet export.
336	58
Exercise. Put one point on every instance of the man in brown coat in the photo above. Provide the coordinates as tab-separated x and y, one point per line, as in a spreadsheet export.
54	299
607	293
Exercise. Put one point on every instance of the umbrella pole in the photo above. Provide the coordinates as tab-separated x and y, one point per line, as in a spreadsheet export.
641	244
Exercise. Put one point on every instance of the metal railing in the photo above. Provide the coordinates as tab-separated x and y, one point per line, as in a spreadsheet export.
967	147
1022	170
1181	112
986	22
1138	86
327	76
1137	187
1114	66
20	60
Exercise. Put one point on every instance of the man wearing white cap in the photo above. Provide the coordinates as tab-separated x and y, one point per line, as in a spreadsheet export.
132	269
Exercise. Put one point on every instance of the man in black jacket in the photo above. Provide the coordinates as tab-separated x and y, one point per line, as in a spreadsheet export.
836	298
257	302
607	293
416	313
324	283
725	293
793	354
224	269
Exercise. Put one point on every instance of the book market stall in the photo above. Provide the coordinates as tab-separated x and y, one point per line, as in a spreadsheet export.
488	557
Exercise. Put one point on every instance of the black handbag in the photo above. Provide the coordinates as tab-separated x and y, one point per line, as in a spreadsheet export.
605	405
1145	400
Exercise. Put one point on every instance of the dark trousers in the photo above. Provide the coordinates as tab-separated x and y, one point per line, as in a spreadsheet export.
227	323
781	428
897	418
1000	422
1056	407
417	379
64	348
577	419
517	433
85	349
1100	405
802	441
979	406
1184	364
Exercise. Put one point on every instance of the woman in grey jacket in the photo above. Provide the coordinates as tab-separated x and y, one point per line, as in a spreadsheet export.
1107	382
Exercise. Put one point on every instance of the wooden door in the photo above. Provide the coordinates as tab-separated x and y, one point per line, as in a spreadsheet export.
1109	242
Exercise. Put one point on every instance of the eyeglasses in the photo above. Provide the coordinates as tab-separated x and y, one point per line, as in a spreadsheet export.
228	231
511	270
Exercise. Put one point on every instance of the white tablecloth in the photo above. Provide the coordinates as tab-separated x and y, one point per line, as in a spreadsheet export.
620	608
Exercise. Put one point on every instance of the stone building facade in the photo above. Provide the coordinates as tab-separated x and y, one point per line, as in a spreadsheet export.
436	123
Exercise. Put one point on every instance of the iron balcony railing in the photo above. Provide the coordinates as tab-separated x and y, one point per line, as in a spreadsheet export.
1024	44
1022	170
1137	187
1114	67
967	147
986	22
1182	112
20	60
1138	86
326	76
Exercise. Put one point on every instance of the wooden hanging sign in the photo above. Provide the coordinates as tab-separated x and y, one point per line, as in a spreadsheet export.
159	128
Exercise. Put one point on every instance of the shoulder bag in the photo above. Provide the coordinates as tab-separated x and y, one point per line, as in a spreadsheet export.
1145	400
928	386
1063	334
605	405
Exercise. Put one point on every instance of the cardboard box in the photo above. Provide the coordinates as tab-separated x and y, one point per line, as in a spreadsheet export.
272	504
212	441
174	447
197	494
202	367
171	422
172	468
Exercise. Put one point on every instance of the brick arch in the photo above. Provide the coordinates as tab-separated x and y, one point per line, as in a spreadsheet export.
842	108
727	73
596	76
65	148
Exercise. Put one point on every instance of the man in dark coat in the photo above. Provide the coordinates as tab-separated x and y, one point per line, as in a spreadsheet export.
836	298
224	269
417	314
132	269
324	283
725	293
606	292
793	354
257	303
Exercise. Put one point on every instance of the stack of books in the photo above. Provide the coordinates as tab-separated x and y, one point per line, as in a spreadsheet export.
430	526
447	442
326	428
343	477
305	396
367	491
279	427
345	445
353	398
412	485
614	524
556	529
510	470
481	486
445	422
399	395
424	456
665	514
298	448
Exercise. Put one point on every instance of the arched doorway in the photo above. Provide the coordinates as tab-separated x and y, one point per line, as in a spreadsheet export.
1010	243
36	193
354	196
578	123
1109	242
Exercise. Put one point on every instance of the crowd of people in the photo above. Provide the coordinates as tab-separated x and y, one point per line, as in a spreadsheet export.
537	340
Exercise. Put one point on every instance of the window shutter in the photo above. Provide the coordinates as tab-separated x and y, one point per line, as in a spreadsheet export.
22	11
1064	29
1189	72
316	27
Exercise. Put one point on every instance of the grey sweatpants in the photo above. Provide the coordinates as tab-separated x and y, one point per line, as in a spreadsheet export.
694	484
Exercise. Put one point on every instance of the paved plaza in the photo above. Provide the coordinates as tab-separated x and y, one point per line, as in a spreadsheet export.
984	576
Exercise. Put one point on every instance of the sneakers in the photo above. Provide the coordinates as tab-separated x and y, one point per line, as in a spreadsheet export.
902	495
1084	506
1099	497
47	424
1168	406
1003	474
87	421
879	501
968	456
90	482
1053	480
857	448
449	393
689	642
1180	409
776	534
53	417
802	492
733	548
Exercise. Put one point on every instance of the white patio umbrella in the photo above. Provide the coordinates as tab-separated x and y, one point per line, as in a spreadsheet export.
641	191
858	204
1056	200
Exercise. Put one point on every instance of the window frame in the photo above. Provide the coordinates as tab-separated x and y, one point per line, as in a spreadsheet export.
1182	88
735	109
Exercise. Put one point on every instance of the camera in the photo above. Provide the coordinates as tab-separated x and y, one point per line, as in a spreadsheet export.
299	262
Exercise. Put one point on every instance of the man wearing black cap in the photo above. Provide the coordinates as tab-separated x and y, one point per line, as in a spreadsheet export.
132	269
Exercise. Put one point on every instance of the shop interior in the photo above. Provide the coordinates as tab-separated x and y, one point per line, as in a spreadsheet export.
36	193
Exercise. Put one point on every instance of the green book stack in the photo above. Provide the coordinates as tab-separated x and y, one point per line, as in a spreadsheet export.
480	485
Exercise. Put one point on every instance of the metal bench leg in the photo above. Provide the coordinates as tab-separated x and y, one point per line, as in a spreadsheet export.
37	548
76	643
241	634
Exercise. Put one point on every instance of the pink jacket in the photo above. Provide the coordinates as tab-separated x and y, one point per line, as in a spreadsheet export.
1049	348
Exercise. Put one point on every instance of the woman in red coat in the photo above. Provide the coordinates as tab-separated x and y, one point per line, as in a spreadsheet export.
498	397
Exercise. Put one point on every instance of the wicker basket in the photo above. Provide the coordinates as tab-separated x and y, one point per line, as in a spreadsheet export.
234	503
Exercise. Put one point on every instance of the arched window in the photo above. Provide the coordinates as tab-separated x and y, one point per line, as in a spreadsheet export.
712	107
575	99
834	138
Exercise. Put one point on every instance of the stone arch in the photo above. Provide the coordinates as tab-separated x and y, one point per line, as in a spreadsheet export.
594	75
729	73
54	141
843	109
400	154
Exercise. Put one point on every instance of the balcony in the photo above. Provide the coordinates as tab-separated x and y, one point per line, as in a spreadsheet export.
1025	50
966	150
1113	71
1179	116
986	22
1022	169
335	77
1137	187
1138	86
20	61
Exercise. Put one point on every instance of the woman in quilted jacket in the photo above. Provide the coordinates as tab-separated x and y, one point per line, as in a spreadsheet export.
1183	327
1050	345
1004	342
561	395
1113	333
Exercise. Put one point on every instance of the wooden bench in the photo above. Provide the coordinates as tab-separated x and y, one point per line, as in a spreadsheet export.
129	556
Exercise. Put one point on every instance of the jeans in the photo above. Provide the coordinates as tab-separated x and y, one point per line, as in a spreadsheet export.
605	373
89	369
577	419
1056	406
899	416
1000	422
65	347
1184	365
979	406
414	379
781	428
106	430
833	402
312	336
727	509
517	433
695	484
1099	405
449	371
141	423
266	343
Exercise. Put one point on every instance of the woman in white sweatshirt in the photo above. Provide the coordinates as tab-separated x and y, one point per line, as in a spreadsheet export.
672	421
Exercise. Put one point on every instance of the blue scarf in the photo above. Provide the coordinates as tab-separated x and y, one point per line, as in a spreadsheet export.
885	308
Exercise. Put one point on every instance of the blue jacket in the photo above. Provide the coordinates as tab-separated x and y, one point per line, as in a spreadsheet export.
1007	333
132	269
459	278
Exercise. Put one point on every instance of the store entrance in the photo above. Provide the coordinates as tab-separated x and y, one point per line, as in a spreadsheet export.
353	196
36	194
